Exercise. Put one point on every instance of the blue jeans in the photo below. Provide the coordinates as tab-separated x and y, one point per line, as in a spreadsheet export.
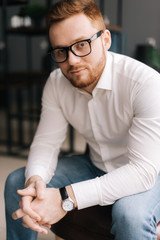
134	217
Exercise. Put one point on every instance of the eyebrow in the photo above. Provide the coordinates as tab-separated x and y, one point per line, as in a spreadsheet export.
76	40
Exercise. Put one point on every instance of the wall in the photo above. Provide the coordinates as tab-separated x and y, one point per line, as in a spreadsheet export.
141	19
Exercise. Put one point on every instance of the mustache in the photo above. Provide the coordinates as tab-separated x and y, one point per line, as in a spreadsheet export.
76	68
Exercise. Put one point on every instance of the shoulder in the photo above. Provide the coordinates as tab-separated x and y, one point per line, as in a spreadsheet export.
57	81
135	83
131	69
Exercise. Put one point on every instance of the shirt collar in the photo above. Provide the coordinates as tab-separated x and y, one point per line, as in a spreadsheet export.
105	81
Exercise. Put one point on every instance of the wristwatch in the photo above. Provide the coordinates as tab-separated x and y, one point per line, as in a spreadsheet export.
67	202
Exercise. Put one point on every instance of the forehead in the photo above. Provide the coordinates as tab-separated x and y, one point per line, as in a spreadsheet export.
73	29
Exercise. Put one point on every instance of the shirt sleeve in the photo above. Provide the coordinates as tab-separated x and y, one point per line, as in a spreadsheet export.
143	152
49	136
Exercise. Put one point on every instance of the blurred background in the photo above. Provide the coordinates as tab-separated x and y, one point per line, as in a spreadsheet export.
25	63
25	66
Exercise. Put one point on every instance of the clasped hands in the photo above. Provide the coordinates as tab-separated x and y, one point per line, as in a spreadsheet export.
39	206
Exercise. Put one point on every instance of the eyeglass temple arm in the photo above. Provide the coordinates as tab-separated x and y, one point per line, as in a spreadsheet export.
96	35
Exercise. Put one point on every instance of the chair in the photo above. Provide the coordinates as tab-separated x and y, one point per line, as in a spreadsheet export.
87	224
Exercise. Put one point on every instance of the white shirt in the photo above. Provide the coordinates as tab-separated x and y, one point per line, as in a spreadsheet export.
120	122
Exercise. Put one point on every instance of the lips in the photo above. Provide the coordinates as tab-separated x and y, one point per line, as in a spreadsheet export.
77	71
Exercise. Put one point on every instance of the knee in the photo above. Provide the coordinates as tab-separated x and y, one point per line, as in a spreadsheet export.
128	215
14	181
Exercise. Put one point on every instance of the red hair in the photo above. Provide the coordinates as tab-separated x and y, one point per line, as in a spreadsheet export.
67	8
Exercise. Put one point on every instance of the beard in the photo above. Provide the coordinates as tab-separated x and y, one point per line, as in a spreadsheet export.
89	77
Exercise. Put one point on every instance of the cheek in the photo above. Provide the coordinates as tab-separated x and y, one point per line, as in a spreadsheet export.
63	67
96	55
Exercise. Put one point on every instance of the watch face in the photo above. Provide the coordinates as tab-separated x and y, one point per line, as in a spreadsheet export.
68	205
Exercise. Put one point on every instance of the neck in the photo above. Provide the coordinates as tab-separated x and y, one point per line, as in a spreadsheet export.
89	89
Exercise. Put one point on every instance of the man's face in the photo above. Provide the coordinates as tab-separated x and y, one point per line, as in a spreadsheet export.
82	72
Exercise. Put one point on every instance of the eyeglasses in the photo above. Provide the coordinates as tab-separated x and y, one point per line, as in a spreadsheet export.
81	49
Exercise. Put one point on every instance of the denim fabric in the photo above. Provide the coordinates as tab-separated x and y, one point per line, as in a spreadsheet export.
134	217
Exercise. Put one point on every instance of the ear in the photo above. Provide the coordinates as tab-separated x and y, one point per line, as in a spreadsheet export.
106	39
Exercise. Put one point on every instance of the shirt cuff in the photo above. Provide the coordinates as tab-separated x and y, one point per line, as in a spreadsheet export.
37	170
87	193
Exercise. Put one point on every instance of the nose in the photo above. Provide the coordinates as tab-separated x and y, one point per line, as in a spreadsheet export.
72	58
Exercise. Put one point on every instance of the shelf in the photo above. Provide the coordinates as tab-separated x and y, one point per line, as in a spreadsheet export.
13	2
114	28
31	115
21	79
27	30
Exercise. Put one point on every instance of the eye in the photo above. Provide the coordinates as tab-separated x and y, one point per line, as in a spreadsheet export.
82	45
60	52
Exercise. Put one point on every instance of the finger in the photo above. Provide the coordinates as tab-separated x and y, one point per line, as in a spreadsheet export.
26	207
18	214
20	203
47	225
29	223
25	225
40	189
30	191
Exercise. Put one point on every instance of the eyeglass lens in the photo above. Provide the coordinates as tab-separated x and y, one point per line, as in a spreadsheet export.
80	49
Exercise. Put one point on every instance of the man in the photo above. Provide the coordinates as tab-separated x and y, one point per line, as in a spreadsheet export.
114	102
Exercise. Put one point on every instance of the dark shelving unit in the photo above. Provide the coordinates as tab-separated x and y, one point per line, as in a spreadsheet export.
22	89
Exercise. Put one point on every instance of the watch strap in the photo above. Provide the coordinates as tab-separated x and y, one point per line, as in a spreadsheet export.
63	193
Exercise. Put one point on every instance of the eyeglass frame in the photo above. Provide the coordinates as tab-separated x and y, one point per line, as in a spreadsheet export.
69	48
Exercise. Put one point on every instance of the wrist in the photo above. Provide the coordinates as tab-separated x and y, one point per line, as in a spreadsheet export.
68	202
70	192
33	179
